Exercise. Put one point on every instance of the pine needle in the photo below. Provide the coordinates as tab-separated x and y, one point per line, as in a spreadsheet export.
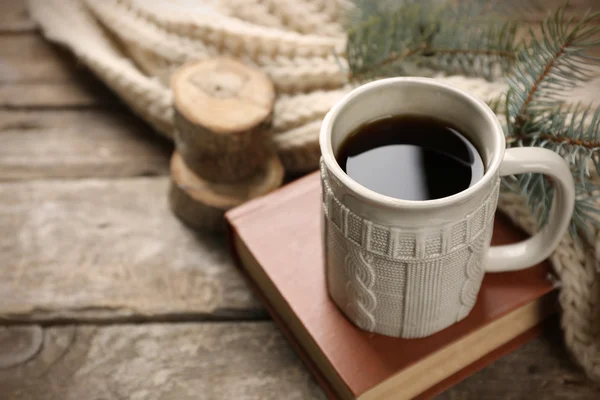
552	65
536	114
454	38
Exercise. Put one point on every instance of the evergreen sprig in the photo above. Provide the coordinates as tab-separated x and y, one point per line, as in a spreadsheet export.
487	48
536	114
385	37
550	65
383	40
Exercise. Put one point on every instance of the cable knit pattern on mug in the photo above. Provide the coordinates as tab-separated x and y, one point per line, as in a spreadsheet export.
409	245
473	272
423	280
359	288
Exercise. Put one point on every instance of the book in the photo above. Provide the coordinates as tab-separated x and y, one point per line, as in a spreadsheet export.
276	240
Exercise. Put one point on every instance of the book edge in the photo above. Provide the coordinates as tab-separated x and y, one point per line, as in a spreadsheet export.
528	316
304	356
436	388
484	361
281	194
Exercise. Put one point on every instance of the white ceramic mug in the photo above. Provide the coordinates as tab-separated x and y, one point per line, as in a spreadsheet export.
412	268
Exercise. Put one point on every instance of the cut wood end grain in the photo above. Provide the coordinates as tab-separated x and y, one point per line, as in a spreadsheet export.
201	204
223	95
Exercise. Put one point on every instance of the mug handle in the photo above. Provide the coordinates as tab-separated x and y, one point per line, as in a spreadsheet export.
537	248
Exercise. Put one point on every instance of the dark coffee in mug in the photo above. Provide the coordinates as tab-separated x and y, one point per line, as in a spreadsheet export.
411	157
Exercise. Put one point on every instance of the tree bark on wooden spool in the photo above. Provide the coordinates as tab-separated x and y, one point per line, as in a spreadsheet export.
201	204
222	110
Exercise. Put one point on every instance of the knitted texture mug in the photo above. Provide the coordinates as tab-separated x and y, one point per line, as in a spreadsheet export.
409	268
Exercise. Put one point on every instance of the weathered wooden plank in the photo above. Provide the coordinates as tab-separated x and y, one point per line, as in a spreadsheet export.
14	17
19	344
29	58
109	250
35	73
76	144
540	369
162	361
80	93
247	360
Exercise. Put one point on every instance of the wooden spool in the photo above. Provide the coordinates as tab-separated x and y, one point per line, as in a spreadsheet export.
201	204
222	110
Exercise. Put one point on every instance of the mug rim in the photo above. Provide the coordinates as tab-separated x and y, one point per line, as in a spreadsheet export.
373	196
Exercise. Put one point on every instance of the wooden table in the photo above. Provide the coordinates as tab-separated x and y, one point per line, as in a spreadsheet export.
105	295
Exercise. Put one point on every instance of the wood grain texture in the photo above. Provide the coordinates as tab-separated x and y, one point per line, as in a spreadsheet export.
110	250
223	97
541	369
77	93
243	360
14	17
19	344
76	144
211	361
29	58
35	73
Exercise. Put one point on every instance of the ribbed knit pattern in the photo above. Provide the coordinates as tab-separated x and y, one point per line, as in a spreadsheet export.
405	282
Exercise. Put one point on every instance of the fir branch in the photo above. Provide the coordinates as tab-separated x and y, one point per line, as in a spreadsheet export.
475	52
572	131
478	47
568	129
536	115
550	65
395	58
383	40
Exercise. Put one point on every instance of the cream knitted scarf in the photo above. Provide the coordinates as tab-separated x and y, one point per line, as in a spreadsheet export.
135	45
